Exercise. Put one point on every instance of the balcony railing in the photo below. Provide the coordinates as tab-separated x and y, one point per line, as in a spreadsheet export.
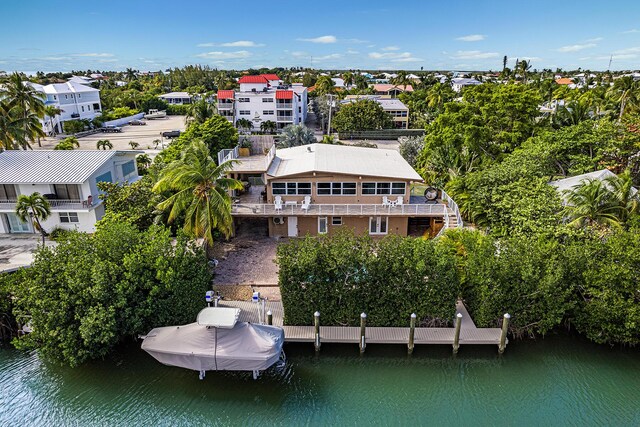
57	204
290	209
284	105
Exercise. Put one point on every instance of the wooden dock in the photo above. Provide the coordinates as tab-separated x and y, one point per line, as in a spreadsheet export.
469	333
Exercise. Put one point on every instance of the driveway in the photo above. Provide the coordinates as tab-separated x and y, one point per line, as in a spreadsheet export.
16	250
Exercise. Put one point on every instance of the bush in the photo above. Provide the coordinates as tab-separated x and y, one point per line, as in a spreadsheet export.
75	126
153	102
177	110
91	292
346	275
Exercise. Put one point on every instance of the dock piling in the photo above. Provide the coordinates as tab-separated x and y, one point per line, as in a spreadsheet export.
456	336
363	329
269	318
316	324
503	334
412	332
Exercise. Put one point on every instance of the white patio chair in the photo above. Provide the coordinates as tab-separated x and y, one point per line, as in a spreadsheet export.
385	201
278	203
400	201
306	204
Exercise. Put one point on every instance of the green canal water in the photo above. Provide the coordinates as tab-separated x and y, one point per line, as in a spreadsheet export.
556	381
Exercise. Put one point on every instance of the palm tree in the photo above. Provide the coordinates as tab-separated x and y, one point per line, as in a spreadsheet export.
51	111
68	143
130	74
200	191
325	85
34	207
268	127
10	127
348	78
401	80
30	104
590	203
133	145
199	112
295	135
626	196
244	124
626	92
104	144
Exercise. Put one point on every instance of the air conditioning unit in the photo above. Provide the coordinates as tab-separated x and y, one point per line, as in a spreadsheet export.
278	220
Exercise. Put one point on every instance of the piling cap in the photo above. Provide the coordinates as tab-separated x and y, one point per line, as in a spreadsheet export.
413	315
316	314
459	315
507	316
363	315
269	313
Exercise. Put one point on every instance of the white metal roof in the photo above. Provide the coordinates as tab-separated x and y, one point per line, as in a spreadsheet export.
175	95
341	159
568	183
51	166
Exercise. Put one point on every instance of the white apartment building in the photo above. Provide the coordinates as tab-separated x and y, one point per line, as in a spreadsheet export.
263	98
68	179
76	101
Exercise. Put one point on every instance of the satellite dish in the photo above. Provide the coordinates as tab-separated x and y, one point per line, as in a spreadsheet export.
431	194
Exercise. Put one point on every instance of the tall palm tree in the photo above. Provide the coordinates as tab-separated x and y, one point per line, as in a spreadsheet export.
200	191
348	78
34	207
199	112
268	127
294	135
626	92
51	111
104	144
30	104
10	127
244	124
590	203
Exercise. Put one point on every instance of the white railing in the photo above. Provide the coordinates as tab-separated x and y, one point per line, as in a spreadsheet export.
228	154
270	156
57	203
295	209
454	207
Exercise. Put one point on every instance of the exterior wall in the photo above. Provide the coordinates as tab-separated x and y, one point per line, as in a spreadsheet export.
80	103
249	87
308	226
86	222
256	107
359	198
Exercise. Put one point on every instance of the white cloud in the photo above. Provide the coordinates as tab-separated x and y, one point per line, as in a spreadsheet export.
472	38
474	54
593	40
321	39
617	56
576	47
627	50
390	48
395	57
328	57
94	55
55	58
107	60
299	54
633	31
352	52
239	43
356	41
239	54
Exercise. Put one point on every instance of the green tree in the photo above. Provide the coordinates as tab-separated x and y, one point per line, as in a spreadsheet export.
410	147
199	112
244	124
69	143
590	203
364	114
104	144
324	85
134	203
268	127
133	145
33	208
30	105
51	111
295	135
200	190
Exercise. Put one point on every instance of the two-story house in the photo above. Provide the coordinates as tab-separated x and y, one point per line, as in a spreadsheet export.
68	179
264	98
398	112
320	188
76	101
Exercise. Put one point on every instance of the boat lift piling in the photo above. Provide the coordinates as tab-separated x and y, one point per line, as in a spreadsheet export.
456	337
412	333
363	330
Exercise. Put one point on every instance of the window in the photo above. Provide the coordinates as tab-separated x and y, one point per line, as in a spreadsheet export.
322	225
83	108
336	189
65	97
291	188
244	99
300	110
105	177
8	192
88	107
67	191
128	168
336	220
267	99
79	95
383	188
267	112
55	97
68	217
378	225
244	112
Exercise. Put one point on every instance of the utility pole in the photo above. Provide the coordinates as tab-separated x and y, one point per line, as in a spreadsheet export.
330	110
610	59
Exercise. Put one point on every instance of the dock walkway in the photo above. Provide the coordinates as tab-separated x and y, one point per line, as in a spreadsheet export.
469	333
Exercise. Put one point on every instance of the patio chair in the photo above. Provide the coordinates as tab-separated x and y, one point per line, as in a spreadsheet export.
306	204
278	203
400	201
385	201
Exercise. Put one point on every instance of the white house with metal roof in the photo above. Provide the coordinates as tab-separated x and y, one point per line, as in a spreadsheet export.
77	101
68	179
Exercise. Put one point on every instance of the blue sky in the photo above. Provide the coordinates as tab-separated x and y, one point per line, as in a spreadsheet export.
56	35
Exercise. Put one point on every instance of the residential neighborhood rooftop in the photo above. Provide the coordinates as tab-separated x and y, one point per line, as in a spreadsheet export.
341	159
51	166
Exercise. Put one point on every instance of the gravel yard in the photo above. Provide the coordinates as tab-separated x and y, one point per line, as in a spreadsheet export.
143	135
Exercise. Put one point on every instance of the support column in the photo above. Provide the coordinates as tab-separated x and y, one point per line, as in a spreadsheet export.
412	331
316	324
456	337
503	334
363	329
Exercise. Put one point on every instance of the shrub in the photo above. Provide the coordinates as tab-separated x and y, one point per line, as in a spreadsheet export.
75	126
346	275
177	110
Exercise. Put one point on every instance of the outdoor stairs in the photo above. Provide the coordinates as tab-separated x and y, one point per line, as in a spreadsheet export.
451	219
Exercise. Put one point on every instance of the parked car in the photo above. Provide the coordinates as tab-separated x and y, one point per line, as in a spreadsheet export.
111	129
170	134
137	123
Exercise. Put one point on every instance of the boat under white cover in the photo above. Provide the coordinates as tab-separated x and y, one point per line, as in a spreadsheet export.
217	342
